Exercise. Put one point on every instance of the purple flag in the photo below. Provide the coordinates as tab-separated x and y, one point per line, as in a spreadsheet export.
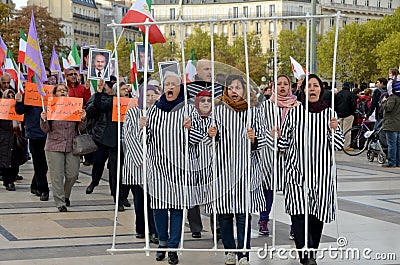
33	57
55	65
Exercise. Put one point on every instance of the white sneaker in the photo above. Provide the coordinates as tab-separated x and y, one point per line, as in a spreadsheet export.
230	258
244	261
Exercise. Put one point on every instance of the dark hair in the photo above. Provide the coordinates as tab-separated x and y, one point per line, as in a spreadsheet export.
47	69
356	91
58	85
231	78
383	80
285	76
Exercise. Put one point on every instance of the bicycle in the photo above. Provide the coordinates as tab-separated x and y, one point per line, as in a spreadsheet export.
360	138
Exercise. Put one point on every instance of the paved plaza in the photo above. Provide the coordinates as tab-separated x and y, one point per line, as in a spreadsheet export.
34	232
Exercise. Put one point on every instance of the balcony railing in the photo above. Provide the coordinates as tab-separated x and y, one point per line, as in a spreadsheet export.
357	8
85	33
93	19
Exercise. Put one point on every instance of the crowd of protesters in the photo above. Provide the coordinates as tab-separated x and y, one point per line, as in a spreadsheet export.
229	190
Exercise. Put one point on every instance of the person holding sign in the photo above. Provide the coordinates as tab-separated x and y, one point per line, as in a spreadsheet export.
63	165
11	155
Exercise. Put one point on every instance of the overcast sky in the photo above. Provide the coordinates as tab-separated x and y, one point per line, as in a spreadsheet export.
20	3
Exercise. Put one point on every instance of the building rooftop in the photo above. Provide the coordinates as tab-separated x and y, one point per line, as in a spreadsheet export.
88	3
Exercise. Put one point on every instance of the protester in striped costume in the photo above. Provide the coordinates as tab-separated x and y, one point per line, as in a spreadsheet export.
320	174
132	169
286	101
232	136
166	123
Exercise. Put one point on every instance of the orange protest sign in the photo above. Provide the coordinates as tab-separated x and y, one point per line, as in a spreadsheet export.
64	108
126	103
32	96
7	110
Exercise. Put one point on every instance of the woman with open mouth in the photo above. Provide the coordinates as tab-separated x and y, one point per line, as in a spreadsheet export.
285	101
63	165
167	125
232	134
293	139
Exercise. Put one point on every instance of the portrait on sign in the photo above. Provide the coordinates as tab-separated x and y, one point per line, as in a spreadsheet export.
99	66
168	67
141	57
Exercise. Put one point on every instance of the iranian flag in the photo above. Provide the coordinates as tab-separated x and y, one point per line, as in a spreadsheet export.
22	46
11	68
73	57
190	68
298	70
133	67
139	12
65	62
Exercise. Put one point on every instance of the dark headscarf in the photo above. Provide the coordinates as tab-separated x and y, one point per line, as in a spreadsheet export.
166	105
318	106
199	96
140	99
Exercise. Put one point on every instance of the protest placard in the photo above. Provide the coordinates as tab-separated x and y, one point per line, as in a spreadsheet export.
32	96
64	108
7	110
126	103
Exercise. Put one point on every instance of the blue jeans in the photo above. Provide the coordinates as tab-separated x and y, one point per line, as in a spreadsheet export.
175	226
269	197
226	226
393	141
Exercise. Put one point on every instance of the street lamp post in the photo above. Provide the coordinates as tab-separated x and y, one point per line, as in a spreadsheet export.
313	41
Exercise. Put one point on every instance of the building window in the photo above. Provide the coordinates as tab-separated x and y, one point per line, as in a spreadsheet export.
366	2
225	30
344	21
378	3
390	3
235	12
245	11
172	13
271	28
258	11
171	31
357	19
215	28
271	10
151	12
258	27
235	29
355	2
343	1
271	45
290	25
188	31
331	22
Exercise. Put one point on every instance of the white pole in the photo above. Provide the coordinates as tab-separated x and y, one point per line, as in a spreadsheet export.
247	204
145	201
276	118
306	135
185	193
118	139
214	165
333	131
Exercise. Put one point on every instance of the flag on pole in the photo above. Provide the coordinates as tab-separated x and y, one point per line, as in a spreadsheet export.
33	57
65	61
133	67
139	12
191	68
298	70
55	65
22	46
3	51
73	57
11	68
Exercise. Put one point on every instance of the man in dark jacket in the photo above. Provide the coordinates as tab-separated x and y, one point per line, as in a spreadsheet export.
37	140
379	92
391	126
345	106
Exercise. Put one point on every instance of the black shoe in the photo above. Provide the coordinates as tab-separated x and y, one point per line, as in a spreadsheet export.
126	203
90	188
154	239
18	177
310	262
140	236
173	258
121	208
87	163
62	209
10	187
160	255
35	191
67	202
44	196
196	235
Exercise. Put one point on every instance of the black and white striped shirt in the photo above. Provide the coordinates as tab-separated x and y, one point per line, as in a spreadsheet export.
195	87
321	195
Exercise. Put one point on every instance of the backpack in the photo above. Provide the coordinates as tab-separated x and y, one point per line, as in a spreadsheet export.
363	106
396	87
